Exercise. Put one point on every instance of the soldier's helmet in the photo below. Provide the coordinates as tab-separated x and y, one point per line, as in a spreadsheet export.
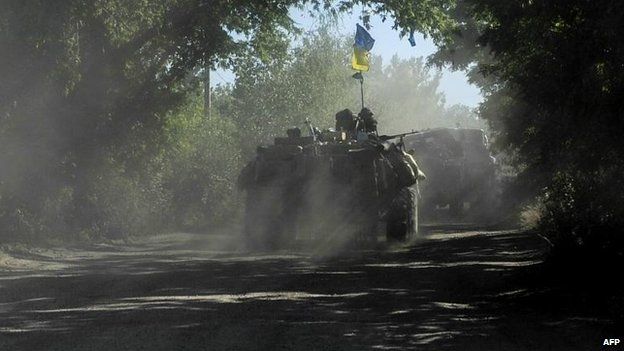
366	116
345	120
293	132
365	112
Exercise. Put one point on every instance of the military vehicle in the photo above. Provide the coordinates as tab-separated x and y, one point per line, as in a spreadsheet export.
337	185
461	173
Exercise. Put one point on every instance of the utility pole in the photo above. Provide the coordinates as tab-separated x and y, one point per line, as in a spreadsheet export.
207	93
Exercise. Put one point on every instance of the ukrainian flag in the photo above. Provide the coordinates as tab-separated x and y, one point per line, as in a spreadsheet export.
360	60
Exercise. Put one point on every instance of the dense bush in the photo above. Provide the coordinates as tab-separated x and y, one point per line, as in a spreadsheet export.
186	183
203	159
583	216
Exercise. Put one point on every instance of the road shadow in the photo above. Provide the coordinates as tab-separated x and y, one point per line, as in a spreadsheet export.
450	290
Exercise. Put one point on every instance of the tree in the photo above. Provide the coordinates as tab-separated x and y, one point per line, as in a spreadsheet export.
200	165
314	81
552	72
88	86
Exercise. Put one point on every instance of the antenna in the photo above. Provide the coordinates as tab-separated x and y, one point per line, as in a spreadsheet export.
310	128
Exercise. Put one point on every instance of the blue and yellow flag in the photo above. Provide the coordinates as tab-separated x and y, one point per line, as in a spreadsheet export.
360	61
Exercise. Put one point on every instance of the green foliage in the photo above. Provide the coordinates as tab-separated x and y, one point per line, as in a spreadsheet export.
90	98
87	88
583	215
431	17
314	82
118	203
204	159
552	73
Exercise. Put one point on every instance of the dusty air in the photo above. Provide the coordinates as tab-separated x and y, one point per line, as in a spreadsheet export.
307	175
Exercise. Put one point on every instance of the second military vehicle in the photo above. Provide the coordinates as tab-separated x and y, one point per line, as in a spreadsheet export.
339	184
460	170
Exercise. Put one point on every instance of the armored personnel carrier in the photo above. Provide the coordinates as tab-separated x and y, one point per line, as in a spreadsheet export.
337	185
461	172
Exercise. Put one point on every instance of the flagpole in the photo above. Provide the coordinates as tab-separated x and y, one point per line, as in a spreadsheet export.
360	61
362	88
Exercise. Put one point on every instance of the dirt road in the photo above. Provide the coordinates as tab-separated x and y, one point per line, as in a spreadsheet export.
452	290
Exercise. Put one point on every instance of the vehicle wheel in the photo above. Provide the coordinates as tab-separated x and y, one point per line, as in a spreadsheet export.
402	220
